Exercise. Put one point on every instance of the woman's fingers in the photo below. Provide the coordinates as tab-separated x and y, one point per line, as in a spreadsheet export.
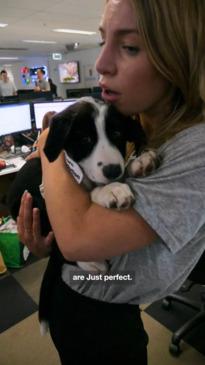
33	154
29	228
20	218
36	227
42	140
48	240
27	214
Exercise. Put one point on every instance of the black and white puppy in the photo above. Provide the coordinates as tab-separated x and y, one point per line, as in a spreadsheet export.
93	136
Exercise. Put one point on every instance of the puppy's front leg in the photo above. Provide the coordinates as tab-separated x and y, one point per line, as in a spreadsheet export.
114	195
143	164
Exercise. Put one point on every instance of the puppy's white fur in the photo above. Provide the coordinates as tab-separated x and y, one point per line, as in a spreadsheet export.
103	153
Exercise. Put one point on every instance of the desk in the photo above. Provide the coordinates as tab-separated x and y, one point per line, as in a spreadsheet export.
17	161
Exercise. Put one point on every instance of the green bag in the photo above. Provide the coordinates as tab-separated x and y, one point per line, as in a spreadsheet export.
11	249
10	246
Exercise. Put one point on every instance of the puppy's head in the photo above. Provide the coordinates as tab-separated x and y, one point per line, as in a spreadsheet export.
94	135
60	136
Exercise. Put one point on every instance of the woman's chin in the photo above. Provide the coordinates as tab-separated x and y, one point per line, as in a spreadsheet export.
124	109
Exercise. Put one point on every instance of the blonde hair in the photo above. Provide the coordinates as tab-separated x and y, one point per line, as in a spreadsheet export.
174	35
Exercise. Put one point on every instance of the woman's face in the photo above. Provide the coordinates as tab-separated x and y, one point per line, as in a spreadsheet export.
128	79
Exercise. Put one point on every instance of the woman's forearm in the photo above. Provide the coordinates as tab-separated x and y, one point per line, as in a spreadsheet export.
85	230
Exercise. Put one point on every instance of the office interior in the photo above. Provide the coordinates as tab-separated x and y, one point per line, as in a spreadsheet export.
20	339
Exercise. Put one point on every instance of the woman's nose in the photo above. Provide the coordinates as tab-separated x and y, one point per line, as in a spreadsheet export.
105	63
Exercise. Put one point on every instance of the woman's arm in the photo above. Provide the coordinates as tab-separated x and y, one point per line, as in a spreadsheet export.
84	230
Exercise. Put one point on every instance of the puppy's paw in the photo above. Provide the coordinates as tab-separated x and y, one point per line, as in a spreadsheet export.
114	195
144	164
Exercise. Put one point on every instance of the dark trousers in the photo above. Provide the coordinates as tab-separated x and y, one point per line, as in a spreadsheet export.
85	329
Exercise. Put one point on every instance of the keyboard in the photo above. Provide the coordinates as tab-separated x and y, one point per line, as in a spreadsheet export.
14	164
8	165
8	155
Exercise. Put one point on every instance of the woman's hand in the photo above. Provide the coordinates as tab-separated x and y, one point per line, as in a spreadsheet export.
29	228
39	145
42	140
33	154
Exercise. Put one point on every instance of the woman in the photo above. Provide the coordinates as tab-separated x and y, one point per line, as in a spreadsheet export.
152	64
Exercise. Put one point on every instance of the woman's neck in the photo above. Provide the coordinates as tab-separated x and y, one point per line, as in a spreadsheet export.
149	125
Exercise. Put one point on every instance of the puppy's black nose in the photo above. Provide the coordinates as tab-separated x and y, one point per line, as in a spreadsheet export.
112	171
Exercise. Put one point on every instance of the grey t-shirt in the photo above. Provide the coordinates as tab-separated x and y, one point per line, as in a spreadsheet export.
43	84
172	201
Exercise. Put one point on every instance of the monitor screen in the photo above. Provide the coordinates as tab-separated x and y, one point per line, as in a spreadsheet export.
14	118
69	72
40	109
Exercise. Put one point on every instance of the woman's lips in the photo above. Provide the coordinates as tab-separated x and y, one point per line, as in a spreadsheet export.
110	95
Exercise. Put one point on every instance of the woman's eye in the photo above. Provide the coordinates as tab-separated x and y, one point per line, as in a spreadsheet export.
131	50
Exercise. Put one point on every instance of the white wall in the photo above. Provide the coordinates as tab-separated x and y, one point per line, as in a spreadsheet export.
86	60
14	69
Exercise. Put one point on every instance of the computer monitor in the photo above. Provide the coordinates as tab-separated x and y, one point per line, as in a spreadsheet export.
14	118
40	109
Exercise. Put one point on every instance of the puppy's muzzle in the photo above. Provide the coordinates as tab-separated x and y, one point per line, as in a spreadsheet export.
112	171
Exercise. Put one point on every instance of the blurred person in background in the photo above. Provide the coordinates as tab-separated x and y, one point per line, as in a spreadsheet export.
53	88
7	86
41	84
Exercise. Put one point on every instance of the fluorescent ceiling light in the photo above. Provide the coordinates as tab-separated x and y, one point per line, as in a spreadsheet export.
3	25
9	58
73	31
35	41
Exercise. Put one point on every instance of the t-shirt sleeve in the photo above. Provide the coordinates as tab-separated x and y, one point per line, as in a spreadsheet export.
172	198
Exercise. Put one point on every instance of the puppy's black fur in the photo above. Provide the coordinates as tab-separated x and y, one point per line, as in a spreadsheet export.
73	130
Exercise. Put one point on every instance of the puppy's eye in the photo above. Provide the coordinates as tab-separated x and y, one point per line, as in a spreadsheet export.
86	140
117	135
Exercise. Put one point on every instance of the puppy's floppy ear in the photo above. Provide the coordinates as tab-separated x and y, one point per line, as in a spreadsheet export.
58	133
134	129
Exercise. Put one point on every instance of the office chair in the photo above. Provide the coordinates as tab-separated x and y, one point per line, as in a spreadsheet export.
197	276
